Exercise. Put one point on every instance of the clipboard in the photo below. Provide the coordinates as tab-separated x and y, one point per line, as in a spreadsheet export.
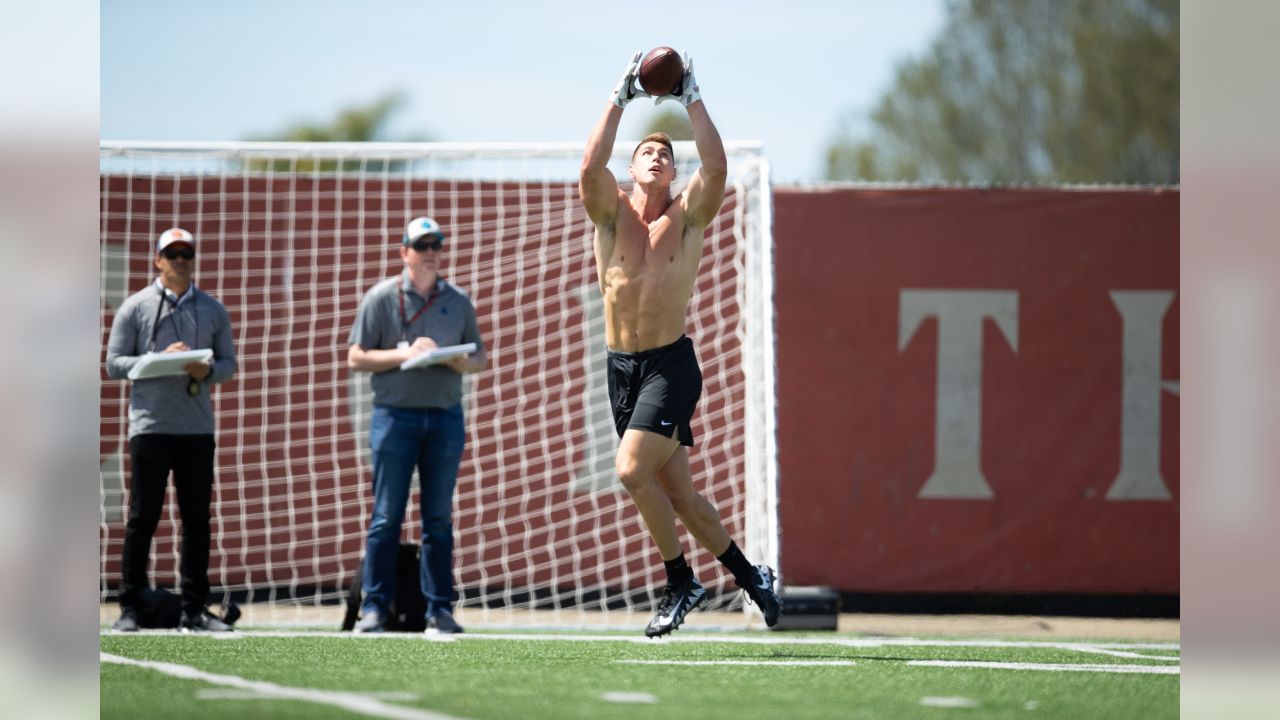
433	357
154	365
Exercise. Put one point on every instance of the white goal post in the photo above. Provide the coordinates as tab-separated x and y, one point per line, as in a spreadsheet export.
292	234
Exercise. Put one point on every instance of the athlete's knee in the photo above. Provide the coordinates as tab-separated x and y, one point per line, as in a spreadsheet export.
633	476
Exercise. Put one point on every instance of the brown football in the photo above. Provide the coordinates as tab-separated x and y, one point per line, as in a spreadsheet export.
661	71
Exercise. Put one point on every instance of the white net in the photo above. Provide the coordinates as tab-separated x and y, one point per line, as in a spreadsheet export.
292	235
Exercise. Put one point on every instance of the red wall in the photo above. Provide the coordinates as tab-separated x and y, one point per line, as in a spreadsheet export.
859	392
858	397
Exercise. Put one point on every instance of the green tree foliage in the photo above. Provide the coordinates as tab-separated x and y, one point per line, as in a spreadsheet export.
672	122
357	123
353	124
1029	91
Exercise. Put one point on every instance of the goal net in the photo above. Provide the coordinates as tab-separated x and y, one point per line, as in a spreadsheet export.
291	236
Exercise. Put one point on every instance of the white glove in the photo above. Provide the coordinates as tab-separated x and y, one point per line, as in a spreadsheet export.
687	91
627	89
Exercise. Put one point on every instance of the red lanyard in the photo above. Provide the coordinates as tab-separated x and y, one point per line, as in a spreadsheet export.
404	328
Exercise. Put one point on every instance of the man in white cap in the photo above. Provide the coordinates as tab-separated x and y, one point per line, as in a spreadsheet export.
417	420
171	423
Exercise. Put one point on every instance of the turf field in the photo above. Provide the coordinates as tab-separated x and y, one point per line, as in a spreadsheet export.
703	675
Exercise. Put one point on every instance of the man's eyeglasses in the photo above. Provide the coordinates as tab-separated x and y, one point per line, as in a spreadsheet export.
175	253
425	245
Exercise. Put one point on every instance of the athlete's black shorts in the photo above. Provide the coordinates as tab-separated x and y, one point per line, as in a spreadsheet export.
656	390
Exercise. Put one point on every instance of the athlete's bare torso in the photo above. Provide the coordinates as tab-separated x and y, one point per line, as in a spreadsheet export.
646	272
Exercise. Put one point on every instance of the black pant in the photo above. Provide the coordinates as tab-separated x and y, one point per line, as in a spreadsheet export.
190	457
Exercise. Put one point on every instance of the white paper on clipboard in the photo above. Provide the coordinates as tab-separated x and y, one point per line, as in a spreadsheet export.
153	365
438	355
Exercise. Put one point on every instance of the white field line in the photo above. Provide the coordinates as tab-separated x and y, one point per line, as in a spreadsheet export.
837	641
629	697
1051	667
772	663
744	639
1123	653
354	702
949	702
233	694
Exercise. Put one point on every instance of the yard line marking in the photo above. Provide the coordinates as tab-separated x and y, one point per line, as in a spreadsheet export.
774	663
1123	653
628	697
867	642
1051	667
837	641
949	702
234	694
354	702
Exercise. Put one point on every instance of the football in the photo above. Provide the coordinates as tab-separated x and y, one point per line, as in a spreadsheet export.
661	71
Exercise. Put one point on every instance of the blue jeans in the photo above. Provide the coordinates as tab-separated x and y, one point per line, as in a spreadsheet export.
402	438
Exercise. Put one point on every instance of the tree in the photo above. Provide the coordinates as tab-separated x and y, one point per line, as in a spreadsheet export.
676	124
354	123
1029	91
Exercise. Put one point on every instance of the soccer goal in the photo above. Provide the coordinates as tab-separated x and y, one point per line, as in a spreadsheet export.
290	237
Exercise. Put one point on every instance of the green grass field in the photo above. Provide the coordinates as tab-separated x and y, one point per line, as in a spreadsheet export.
731	675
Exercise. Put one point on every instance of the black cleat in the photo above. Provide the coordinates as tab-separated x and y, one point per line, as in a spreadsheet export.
760	591
676	603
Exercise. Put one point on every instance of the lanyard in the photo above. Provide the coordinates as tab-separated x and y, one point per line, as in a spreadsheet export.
405	323
193	385
177	328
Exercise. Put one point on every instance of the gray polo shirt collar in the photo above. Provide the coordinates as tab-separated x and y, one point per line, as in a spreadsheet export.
407	285
191	291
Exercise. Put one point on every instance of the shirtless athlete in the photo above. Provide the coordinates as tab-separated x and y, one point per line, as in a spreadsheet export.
647	248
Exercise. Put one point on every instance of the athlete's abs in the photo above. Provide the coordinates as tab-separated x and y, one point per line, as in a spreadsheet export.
647	280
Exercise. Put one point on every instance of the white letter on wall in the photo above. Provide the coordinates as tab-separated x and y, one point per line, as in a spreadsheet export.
958	436
1142	315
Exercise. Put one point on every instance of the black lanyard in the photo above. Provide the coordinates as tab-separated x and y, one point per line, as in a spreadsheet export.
405	323
193	385
177	328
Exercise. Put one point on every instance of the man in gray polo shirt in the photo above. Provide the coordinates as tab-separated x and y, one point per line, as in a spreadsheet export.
170	423
417	419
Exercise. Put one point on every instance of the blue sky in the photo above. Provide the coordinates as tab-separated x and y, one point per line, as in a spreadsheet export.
492	71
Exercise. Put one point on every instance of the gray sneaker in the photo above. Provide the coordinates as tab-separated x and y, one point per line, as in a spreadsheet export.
441	622
128	621
371	622
204	622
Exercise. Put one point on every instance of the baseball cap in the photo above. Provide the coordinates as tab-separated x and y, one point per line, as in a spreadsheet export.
421	227
174	235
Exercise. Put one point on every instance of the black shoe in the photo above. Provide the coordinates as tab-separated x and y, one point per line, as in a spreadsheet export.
760	591
676	603
128	621
202	622
371	622
441	622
